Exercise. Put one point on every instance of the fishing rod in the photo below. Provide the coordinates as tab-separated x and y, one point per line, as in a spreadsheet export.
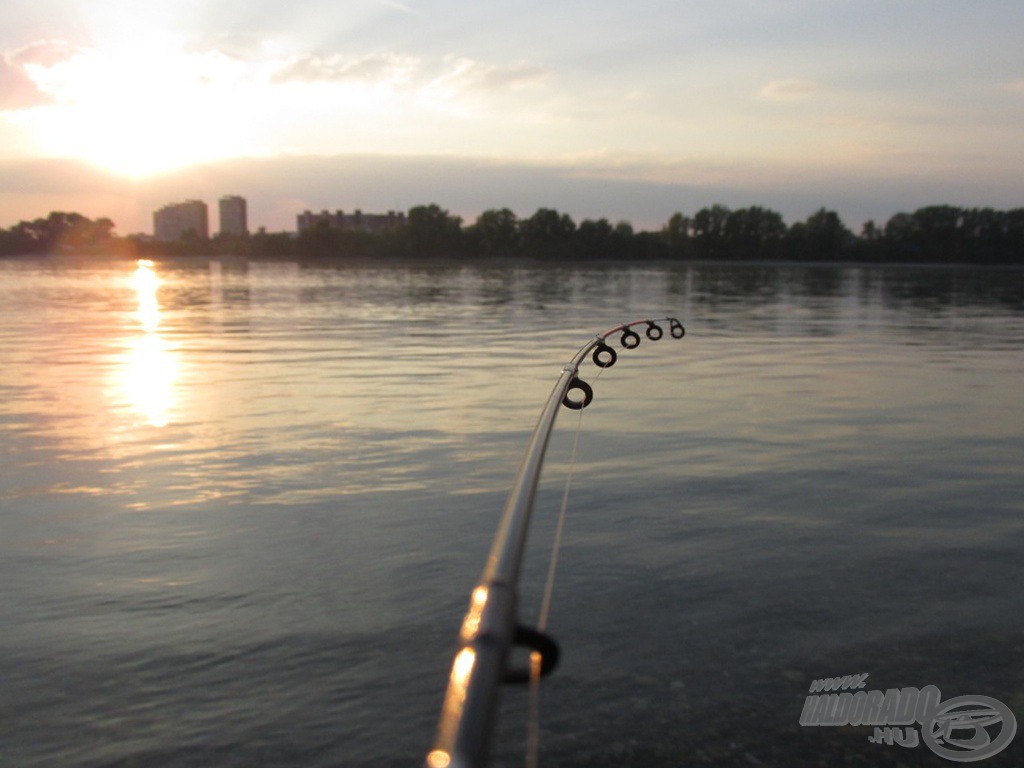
491	627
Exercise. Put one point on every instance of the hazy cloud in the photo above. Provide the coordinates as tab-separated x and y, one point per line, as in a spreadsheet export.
17	89
453	78
373	69
788	90
45	53
585	187
465	82
466	74
242	46
399	7
47	176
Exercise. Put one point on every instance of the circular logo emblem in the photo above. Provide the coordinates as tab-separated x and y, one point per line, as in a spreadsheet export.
969	728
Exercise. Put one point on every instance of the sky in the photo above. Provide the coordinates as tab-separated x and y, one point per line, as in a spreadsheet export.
628	111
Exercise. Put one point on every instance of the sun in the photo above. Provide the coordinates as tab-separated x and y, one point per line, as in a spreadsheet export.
142	107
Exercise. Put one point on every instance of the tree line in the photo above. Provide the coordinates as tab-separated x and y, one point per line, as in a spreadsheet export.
940	234
57	233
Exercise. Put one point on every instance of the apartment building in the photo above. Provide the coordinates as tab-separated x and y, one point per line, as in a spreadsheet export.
173	221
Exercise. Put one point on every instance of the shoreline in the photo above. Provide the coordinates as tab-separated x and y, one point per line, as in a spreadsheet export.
411	262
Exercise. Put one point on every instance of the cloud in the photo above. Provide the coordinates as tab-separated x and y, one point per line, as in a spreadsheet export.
45	53
788	90
1016	87
48	176
453	78
467	74
373	69
465	84
399	7
18	90
238	45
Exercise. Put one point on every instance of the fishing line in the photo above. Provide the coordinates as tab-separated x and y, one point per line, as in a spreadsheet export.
549	586
533	717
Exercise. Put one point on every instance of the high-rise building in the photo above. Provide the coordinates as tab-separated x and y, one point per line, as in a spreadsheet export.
233	216
177	219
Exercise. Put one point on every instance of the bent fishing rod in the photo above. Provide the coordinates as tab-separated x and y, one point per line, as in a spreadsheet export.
491	626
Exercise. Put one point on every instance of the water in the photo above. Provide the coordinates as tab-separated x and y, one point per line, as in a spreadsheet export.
242	506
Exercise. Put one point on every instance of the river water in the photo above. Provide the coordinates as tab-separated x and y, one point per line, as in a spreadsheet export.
242	506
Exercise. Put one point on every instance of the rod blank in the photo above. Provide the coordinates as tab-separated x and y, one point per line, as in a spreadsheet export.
490	627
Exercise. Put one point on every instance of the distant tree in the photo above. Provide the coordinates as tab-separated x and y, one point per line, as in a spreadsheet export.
900	238
753	232
822	237
324	241
431	231
708	227
59	232
944	233
984	236
320	241
676	234
495	232
24	239
938	232
226	244
900	227
265	245
623	231
624	242
1012	246
650	245
868	245
983	224
548	234
941	220
595	239
103	229
9	243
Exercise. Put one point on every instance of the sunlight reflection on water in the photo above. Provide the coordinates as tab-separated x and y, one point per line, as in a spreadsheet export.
151	368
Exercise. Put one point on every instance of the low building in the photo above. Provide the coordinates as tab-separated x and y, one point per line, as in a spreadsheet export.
233	216
366	222
176	220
